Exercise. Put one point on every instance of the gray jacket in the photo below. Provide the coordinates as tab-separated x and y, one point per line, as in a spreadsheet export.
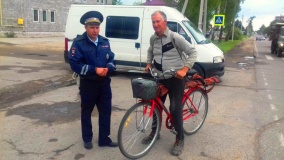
164	55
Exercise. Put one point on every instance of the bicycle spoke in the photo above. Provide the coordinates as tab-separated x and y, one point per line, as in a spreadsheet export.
135	137
197	106
135	125
130	139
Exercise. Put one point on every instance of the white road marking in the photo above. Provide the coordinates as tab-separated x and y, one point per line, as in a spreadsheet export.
269	57
266	83
264	79
273	107
281	138
255	48
269	96
275	118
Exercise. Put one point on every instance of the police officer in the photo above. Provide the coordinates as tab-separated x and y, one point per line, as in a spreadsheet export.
91	58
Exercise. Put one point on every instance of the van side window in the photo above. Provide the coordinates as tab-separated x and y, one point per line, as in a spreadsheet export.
175	27
122	27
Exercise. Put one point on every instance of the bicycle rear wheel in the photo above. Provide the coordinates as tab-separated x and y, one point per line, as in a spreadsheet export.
136	125
195	110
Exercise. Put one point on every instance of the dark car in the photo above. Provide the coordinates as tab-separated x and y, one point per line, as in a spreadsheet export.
258	38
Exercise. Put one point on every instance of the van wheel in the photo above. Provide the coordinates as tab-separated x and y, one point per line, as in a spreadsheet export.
199	70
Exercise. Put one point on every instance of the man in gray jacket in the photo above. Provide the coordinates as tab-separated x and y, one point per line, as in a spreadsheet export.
169	50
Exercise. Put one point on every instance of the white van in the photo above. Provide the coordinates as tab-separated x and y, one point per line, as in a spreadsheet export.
129	29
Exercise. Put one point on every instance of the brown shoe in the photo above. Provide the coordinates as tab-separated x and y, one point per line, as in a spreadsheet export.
177	148
148	139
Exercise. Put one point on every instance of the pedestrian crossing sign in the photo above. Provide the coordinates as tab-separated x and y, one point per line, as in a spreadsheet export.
219	20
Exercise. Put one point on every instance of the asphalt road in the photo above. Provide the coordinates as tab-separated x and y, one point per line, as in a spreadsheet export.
270	77
40	107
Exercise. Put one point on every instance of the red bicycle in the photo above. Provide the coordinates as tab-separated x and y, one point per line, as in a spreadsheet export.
137	121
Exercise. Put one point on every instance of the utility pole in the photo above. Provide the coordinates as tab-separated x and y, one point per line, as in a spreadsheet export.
215	28
242	23
200	14
233	29
184	6
204	17
221	30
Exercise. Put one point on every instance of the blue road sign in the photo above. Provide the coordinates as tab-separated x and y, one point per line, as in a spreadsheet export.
219	20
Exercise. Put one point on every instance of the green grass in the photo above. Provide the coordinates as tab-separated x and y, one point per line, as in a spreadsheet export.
229	45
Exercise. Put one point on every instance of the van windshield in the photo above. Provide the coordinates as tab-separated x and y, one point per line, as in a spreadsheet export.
195	32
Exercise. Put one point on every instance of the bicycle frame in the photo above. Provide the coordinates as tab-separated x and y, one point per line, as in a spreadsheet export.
159	104
186	96
161	107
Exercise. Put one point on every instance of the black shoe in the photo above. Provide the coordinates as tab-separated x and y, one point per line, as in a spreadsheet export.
111	144
148	139
177	148
88	145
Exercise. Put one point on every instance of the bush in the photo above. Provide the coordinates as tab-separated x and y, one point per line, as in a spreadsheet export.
237	34
10	34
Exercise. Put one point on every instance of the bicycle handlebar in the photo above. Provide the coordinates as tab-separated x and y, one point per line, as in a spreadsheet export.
171	72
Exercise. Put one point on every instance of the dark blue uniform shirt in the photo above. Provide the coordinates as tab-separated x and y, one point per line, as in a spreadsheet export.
84	56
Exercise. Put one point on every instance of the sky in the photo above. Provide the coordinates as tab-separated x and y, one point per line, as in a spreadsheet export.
263	10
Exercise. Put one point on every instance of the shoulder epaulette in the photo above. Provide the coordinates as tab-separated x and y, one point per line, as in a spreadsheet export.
78	37
104	38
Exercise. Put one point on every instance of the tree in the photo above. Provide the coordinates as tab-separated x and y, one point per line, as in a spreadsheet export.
249	27
229	8
137	3
192	9
232	7
238	24
116	2
261	29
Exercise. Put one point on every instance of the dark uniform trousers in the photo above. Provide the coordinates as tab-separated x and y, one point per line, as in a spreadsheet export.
96	93
176	90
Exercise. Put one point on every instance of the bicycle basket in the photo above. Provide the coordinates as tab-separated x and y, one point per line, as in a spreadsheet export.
144	88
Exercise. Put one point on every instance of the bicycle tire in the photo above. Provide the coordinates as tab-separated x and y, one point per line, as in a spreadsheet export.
130	134
194	123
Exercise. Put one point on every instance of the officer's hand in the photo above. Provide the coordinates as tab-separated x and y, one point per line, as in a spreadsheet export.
147	68
181	73
111	67
102	71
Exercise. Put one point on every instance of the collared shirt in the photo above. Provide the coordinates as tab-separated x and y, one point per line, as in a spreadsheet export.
95	42
166	33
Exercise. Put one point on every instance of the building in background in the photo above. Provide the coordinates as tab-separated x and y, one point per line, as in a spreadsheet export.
37	17
281	18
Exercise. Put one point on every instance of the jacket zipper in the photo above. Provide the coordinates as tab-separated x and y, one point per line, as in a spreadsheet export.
162	54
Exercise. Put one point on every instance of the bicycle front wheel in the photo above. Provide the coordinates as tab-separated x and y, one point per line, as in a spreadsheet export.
137	124
195	110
